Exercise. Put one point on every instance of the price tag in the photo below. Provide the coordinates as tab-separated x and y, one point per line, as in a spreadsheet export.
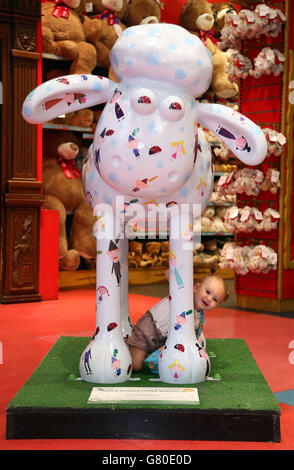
230	254
235	20
281	139
257	215
233	213
272	136
245	215
250	16
275	176
89	7
222	181
263	10
259	176
269	54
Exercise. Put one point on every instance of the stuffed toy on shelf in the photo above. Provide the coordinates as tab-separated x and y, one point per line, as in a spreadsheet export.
102	24
63	34
64	191
197	17
269	61
142	12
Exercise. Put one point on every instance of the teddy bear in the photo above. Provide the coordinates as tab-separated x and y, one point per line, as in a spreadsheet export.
270	219
64	191
207	219
234	257
239	66
142	12
251	24
228	38
223	152
81	118
269	20
63	34
196	16
102	24
271	181
262	259
219	11
275	141
269	61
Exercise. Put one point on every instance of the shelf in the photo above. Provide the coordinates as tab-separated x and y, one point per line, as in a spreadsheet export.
47	55
64	127
221	204
217	234
137	276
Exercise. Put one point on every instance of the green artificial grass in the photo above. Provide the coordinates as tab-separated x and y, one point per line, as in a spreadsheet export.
242	385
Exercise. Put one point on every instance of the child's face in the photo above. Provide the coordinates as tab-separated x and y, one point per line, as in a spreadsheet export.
208	294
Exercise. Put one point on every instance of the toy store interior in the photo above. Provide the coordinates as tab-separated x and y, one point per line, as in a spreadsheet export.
196	98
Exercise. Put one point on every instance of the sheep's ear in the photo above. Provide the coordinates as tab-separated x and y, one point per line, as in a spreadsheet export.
63	95
244	138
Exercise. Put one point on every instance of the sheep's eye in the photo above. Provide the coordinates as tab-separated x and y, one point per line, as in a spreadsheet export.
144	101
172	108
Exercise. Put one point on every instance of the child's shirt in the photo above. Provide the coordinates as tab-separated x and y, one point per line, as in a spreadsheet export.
160	314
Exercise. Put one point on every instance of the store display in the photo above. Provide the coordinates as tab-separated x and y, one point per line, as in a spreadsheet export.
244	259
251	24
63	34
197	17
268	61
64	191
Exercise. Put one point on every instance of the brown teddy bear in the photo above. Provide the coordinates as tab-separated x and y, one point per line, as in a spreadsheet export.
102	24
63	34
64	191
197	17
219	11
142	12
81	118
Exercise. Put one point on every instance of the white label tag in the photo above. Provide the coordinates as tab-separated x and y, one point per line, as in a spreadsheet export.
222	181
89	7
233	213
263	10
259	177
275	176
250	16
230	253
257	215
265	252
281	139
269	54
235	20
245	216
272	136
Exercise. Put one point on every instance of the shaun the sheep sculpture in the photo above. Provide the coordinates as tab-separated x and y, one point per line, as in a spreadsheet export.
148	157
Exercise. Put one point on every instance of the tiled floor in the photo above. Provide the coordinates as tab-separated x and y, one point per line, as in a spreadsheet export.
28	331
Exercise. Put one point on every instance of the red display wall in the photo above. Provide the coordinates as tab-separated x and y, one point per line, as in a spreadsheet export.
266	102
